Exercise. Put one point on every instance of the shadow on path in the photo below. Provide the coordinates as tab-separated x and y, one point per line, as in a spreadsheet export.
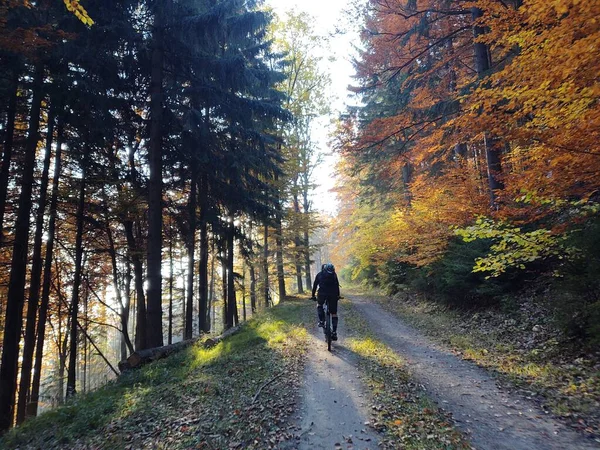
334	408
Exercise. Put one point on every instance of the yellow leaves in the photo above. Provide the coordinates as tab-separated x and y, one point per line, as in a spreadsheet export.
539	101
75	7
514	248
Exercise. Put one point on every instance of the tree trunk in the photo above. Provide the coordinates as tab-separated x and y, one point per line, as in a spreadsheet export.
244	294
43	313
211	292
279	260
154	311
252	288
279	246
191	247
84	374
35	278
11	114
224	287
203	310
297	242
266	266
153	354
483	64
305	225
124	313
62	357
127	287
297	263
13	321
138	274
170	334
231	298
407	171
71	375
134	255
183	296
460	151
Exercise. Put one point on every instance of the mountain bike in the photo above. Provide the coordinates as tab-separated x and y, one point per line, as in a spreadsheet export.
327	327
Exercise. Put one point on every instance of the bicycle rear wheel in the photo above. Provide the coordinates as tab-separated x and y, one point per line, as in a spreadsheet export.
328	331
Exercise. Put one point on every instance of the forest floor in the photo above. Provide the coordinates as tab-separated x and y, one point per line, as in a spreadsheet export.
238	394
273	385
493	415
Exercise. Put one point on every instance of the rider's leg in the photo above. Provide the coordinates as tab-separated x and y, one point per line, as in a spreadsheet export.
333	308
320	311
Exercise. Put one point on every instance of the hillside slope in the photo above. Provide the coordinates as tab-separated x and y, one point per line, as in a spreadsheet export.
237	394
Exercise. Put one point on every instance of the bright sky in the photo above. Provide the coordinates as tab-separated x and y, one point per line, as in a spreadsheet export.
329	17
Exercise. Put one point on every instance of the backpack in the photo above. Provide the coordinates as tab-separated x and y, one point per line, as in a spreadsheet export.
328	281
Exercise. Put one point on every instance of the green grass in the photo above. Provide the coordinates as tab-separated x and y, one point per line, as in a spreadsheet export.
198	398
402	411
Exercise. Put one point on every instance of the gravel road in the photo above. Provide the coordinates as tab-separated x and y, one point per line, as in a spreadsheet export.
491	417
334	405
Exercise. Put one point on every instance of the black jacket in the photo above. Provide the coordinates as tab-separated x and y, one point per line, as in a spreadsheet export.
328	285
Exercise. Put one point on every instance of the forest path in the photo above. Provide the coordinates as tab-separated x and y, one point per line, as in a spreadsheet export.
334	406
491	417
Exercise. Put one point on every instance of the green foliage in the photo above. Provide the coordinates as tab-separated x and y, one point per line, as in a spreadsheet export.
512	247
518	247
451	279
395	275
358	273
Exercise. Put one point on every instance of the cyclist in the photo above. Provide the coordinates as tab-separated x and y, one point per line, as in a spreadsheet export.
329	288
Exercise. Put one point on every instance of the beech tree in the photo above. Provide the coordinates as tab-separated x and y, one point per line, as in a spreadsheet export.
454	128
305	88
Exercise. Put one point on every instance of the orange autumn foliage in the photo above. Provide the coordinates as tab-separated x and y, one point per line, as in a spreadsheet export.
550	116
538	103
32	40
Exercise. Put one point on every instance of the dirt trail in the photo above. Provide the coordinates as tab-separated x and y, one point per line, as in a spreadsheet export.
492	418
334	405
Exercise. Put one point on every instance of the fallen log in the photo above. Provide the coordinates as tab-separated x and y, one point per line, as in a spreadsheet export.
142	357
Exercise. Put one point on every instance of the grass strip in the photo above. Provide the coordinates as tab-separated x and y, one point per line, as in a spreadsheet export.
199	398
401	409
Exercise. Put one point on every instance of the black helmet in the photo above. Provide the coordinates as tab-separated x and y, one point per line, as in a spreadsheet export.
329	268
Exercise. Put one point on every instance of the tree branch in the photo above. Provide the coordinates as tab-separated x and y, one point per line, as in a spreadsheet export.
264	386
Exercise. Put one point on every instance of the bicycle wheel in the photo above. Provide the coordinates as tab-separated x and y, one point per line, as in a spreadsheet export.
328	331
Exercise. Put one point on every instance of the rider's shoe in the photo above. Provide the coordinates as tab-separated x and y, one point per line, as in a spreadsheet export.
321	324
334	336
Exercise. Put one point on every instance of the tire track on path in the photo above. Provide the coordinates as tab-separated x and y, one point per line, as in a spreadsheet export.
492	418
334	406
